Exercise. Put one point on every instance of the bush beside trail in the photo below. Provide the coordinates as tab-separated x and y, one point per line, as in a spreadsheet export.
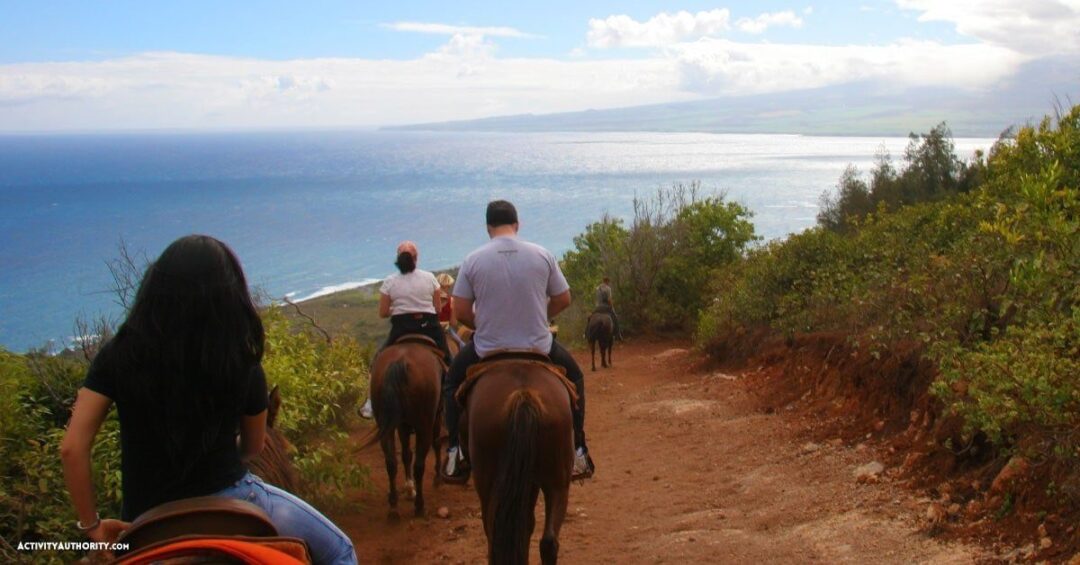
660	264
976	289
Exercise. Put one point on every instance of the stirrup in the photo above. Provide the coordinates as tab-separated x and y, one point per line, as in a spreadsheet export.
464	471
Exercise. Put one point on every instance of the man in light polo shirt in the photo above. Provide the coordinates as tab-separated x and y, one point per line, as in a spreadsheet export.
508	289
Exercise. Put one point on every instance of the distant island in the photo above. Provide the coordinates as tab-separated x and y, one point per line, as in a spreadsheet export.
855	109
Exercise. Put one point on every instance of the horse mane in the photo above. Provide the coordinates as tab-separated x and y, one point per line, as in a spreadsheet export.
511	496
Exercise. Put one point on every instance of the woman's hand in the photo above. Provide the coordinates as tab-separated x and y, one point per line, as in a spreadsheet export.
108	531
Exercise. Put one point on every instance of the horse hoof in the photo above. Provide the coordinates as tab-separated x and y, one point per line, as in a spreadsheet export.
393	516
420	512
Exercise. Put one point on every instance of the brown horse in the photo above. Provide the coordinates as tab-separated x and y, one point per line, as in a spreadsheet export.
520	440
406	397
600	329
274	464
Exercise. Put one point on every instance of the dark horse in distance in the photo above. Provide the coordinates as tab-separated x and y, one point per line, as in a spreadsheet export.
520	441
600	330
406	395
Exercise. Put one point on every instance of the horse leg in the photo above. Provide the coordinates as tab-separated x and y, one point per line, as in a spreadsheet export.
423	444
391	471
407	461
592	348
555	501
483	490
436	441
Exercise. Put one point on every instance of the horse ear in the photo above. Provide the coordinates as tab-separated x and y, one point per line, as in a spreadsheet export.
273	405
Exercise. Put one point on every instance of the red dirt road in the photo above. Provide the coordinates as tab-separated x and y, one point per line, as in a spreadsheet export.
690	470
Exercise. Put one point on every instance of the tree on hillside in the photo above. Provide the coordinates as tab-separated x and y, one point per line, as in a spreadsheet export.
661	265
931	171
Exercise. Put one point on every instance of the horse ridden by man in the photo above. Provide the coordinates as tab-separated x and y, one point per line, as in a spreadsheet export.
524	394
600	331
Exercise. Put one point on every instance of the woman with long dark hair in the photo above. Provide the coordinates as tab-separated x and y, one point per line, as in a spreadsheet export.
412	300
185	373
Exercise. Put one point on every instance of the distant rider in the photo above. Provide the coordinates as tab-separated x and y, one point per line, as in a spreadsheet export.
509	289
411	299
446	314
605	304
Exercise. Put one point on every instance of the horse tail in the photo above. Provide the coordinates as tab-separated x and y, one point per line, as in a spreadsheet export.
512	493
390	412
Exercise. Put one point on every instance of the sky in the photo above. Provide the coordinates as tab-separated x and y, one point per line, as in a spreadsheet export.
212	65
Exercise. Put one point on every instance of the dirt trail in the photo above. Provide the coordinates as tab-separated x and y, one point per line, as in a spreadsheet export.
689	470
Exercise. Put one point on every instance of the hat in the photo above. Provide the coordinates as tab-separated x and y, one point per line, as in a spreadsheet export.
445	279
408	247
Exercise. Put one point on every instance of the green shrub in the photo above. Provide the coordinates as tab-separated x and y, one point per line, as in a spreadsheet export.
931	172
662	264
35	398
987	278
321	385
1018	382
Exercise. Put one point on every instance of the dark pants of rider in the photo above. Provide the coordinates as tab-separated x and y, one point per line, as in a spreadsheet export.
424	324
468	357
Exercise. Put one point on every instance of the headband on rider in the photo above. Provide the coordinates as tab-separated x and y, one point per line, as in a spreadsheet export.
408	247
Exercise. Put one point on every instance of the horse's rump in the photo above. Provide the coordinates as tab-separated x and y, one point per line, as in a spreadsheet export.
406	382
520	440
424	340
406	393
599	326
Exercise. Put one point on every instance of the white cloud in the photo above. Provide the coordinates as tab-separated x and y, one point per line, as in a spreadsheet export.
767	20
662	29
467	78
446	29
721	67
462	80
1037	27
808	10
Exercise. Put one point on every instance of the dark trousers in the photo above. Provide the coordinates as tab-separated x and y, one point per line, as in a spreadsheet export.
424	324
468	357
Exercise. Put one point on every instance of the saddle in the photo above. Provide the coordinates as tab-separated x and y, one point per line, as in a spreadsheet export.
513	358
498	360
424	340
200	519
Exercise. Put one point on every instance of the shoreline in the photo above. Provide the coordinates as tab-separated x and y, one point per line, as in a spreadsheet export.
368	286
349	310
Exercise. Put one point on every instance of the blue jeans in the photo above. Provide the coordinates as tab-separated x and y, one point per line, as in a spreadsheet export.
295	518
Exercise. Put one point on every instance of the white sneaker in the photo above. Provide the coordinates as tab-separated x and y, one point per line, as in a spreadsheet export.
452	458
581	462
365	410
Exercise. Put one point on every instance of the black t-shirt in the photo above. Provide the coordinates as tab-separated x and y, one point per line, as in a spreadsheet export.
149	478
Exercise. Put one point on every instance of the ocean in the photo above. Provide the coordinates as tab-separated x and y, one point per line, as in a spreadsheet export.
313	212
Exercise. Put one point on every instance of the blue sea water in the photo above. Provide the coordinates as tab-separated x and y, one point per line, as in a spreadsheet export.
309	212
